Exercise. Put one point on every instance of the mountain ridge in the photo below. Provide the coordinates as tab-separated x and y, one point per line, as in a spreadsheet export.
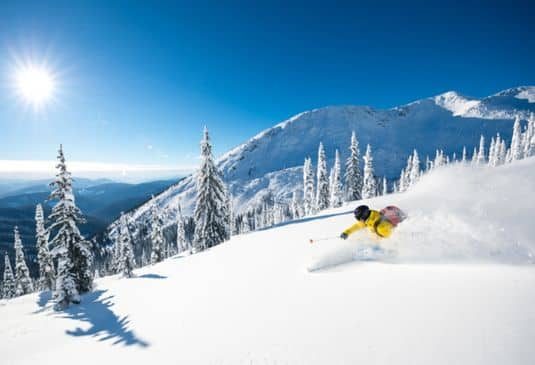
269	163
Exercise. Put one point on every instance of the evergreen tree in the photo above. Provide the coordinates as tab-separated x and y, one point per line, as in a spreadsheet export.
502	156
23	281
403	183
294	207
474	156
308	187
322	193
126	252
336	183
245	223
211	210
481	153
353	176
428	164
529	139
70	249
408	170
384	189
463	160
492	153
181	241
156	236
415	168
368	186
516	142
8	290
439	159
44	259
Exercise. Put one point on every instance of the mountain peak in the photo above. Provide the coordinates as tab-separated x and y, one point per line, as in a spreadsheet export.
455	102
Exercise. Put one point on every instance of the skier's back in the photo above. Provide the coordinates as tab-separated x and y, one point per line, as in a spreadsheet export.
379	222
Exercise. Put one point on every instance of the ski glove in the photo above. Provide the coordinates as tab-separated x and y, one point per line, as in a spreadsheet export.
343	236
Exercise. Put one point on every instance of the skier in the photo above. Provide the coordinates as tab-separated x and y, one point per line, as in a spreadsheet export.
382	223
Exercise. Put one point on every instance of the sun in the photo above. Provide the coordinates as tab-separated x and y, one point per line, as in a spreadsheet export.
34	84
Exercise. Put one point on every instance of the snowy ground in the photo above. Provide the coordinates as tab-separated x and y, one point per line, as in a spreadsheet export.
461	291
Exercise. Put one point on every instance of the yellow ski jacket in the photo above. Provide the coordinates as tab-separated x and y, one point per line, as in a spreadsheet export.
375	223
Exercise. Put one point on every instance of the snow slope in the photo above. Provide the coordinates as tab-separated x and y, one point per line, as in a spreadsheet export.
270	162
462	291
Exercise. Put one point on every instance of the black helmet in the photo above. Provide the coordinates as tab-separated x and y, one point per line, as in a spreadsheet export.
362	212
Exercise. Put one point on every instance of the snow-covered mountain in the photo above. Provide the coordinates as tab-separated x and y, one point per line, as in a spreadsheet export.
270	162
461	291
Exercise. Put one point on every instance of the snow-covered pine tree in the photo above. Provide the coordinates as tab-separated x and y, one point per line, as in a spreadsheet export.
245	224
395	187
402	186
230	216
439	159
474	156
353	176
481	152
463	160
529	147
181	242
369	188
8	290
126	262
23	281
295	211
408	170
308	187
384	189
502	154
516	141
428	164
331	176
528	137
69	248
47	275
156	236
492	153
497	150
322	193
211	208
336	189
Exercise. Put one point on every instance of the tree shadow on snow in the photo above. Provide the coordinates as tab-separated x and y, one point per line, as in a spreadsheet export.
105	324
150	276
44	298
42	301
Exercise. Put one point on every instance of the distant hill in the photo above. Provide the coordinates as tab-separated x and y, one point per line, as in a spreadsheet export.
17	186
101	204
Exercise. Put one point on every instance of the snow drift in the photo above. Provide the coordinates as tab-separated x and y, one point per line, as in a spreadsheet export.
252	301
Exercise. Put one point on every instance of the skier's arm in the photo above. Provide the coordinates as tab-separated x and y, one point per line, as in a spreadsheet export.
355	227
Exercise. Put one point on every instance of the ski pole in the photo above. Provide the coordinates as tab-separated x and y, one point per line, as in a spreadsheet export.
312	240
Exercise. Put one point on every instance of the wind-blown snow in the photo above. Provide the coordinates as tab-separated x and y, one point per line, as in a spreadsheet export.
447	299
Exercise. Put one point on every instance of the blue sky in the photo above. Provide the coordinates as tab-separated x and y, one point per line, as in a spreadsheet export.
136	83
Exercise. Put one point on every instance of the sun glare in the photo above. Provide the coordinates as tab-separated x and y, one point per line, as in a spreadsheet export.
34	84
